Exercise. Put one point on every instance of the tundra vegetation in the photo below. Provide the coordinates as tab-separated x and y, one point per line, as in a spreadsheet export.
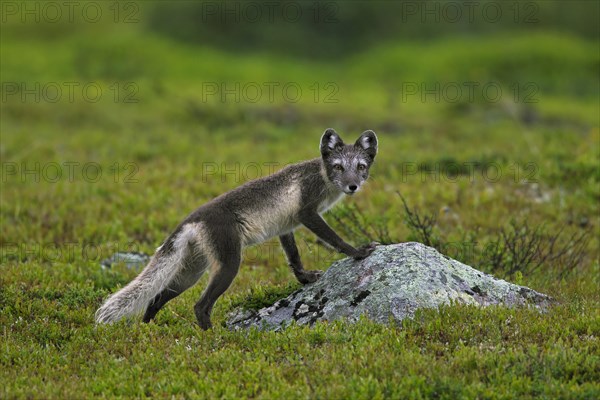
113	132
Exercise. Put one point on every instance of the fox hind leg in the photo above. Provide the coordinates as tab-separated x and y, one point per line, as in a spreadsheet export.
194	266
160	300
227	259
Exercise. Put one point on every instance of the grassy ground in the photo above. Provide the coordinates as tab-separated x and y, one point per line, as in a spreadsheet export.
158	144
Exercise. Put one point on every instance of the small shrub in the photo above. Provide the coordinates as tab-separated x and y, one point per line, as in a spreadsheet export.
522	248
422	226
359	227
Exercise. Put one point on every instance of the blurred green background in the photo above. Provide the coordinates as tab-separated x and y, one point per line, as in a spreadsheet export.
119	118
159	90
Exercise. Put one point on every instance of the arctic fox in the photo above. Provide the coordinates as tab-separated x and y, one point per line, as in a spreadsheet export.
212	237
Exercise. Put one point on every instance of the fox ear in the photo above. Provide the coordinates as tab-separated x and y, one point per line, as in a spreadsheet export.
329	141
368	142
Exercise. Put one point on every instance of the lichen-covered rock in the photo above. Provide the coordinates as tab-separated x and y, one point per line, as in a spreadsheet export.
393	282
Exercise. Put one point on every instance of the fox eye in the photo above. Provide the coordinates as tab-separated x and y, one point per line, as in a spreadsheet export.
361	167
338	167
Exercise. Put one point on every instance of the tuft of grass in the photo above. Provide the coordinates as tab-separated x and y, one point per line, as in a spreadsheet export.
261	296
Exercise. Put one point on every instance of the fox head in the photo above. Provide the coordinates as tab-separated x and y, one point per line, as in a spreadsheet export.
347	165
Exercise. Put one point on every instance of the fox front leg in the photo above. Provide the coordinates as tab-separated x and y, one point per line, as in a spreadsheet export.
291	252
319	227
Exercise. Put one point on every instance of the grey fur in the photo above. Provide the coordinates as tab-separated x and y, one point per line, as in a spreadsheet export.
215	233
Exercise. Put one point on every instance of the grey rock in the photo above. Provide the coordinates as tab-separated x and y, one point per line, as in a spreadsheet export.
391	284
131	260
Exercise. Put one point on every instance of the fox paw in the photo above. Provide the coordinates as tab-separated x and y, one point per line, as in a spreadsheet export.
365	251
306	277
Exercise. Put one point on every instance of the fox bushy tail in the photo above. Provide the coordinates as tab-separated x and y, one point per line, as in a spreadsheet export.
162	269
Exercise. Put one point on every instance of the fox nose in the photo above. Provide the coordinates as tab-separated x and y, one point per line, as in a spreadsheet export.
352	188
